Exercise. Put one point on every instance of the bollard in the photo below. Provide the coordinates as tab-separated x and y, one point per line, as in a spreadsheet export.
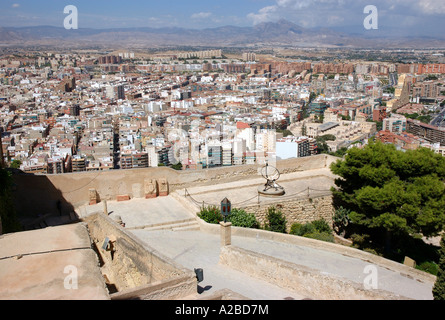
105	208
199	274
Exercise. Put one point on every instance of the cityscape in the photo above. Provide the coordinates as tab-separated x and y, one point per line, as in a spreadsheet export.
79	112
129	141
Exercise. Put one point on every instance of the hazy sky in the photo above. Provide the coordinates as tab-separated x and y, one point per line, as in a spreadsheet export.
418	17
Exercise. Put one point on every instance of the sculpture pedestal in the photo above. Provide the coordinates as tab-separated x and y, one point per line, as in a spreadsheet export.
271	192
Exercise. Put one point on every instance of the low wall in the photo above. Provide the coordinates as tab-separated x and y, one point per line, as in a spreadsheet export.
133	270
322	245
43	192
298	278
172	289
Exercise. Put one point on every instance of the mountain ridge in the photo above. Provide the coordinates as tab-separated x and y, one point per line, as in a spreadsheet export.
282	32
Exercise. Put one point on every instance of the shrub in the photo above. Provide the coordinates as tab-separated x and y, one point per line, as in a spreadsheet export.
299	229
276	221
323	236
341	219
318	229
321	226
240	218
429	266
359	241
211	215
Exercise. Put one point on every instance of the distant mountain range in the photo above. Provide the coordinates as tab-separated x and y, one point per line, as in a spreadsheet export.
281	33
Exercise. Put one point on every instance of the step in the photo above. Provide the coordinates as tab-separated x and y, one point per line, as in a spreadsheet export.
163	225
175	226
192	227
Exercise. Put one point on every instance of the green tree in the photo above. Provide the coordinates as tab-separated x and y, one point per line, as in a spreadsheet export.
8	214
16	164
431	77
318	229
392	195
177	166
439	285
276	221
312	96
321	142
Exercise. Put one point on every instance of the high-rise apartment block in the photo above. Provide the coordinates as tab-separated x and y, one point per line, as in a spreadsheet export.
344	68
395	123
110	60
55	166
401	94
414	68
427	89
207	54
426	131
249	56
78	164
134	160
234	68
115	92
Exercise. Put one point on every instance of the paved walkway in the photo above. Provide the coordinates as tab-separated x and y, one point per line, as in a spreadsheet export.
138	213
195	249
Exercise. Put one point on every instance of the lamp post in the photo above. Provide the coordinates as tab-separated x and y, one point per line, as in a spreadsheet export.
226	234
225	208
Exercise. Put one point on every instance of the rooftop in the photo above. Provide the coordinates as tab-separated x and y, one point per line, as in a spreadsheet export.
328	125
35	264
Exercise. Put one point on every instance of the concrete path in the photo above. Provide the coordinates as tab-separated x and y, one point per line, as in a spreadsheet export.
195	249
139	213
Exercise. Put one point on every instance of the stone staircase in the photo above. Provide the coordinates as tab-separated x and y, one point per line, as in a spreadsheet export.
179	225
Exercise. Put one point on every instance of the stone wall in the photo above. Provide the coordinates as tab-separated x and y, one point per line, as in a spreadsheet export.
300	210
135	271
44	192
